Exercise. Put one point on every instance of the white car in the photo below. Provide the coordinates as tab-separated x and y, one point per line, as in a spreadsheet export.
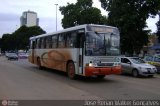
23	55
136	67
12	56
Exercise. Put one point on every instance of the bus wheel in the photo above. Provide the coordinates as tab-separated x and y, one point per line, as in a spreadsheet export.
39	64
71	70
100	76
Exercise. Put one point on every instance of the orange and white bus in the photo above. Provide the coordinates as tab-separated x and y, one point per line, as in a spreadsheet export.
86	50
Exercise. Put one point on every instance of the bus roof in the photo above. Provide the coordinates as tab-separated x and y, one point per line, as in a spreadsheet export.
69	29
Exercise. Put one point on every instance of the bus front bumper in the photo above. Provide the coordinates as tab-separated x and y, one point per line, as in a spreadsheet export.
91	71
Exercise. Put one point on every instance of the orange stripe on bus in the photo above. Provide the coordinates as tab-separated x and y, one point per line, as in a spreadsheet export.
90	71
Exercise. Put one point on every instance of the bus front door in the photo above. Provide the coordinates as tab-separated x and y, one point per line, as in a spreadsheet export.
80	46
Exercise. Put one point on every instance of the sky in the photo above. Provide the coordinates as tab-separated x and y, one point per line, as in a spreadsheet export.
11	11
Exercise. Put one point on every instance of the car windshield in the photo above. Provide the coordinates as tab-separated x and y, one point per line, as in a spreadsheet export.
102	44
22	53
157	58
137	60
12	54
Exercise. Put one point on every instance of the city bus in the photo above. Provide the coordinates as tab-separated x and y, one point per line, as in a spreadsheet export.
84	50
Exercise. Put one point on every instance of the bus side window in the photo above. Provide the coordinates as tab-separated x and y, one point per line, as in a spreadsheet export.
54	41
30	46
49	42
68	40
80	40
39	43
61	41
71	39
43	42
35	44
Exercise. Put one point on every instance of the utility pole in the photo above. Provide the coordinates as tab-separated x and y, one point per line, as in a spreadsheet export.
56	16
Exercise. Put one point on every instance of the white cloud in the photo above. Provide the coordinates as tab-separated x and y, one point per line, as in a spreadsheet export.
45	9
151	22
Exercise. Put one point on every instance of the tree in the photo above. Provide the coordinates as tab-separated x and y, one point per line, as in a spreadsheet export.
80	13
23	34
5	45
130	17
158	29
20	38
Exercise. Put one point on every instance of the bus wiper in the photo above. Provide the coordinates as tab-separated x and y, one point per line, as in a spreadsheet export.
96	32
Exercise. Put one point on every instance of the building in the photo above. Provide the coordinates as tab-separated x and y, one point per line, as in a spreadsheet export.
153	47
29	18
155	42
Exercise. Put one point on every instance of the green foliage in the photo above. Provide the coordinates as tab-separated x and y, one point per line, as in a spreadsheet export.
158	29
130	17
4	42
80	13
20	38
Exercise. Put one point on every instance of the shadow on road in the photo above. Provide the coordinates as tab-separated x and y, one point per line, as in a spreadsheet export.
62	75
140	76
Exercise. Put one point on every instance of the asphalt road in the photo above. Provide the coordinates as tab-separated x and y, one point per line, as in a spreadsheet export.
20	80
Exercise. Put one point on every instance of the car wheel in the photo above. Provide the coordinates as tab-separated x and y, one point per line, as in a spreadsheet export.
135	73
71	70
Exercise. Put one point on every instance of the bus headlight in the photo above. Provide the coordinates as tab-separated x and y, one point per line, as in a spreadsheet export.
90	65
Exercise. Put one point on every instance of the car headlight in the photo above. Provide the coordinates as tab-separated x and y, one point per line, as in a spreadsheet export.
139	68
155	69
142	68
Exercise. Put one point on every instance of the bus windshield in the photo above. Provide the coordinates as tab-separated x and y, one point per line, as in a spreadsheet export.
102	44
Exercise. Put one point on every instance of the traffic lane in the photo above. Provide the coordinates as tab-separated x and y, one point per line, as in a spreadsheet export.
22	84
112	87
116	86
122	87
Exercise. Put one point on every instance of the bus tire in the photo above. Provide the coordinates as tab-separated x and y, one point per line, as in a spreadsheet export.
101	76
39	64
71	70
